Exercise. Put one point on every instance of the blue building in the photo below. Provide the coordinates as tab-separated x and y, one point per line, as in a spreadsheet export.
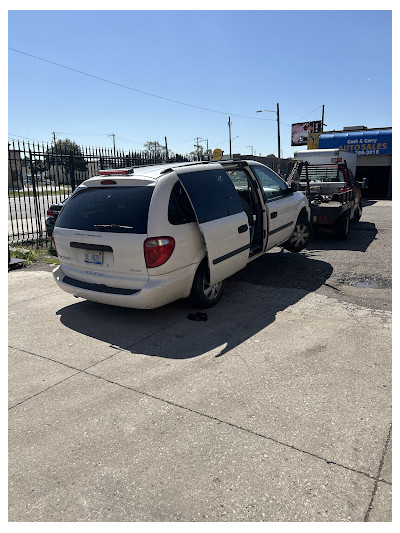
374	154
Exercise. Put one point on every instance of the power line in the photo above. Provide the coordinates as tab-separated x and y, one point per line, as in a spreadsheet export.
28	138
306	115
133	89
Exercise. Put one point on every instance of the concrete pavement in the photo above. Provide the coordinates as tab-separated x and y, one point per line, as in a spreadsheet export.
276	409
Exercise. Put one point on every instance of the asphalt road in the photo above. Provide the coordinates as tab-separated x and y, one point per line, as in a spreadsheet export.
276	409
25	211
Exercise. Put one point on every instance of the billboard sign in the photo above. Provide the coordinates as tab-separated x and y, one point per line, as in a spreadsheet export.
301	131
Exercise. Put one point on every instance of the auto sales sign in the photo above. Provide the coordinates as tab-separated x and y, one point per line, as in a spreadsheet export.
374	142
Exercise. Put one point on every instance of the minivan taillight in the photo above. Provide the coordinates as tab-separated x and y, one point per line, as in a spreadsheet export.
158	250
50	213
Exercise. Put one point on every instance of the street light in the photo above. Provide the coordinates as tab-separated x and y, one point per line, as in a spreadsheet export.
279	129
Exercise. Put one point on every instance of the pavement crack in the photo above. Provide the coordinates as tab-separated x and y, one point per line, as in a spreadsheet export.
154	333
331	287
33	298
237	426
377	479
44	390
78	371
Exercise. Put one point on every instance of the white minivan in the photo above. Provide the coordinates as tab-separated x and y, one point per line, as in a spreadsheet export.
147	236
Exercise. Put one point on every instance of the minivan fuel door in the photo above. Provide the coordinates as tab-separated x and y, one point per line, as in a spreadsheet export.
221	219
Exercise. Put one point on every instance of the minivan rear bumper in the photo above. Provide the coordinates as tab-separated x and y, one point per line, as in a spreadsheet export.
158	291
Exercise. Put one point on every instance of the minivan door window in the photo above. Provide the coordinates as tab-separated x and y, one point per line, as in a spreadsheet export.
212	194
281	206
221	219
272	185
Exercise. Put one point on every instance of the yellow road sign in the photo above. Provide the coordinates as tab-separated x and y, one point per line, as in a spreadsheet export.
217	154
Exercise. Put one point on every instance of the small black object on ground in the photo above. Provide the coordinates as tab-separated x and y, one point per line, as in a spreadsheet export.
14	262
199	317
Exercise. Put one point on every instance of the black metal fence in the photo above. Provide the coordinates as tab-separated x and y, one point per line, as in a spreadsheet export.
40	175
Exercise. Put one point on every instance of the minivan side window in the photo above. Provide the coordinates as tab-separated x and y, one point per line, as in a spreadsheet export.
272	185
212	194
180	210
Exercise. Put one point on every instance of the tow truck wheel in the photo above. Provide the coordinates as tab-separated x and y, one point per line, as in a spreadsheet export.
300	237
341	227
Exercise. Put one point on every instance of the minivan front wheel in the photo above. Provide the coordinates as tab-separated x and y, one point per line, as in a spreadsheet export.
203	294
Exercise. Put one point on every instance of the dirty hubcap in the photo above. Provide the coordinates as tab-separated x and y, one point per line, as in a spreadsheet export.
300	235
211	291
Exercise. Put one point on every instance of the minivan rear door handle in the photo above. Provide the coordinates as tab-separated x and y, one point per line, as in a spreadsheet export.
274	214
87	246
242	229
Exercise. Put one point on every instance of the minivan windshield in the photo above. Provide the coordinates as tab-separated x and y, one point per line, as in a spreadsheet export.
110	209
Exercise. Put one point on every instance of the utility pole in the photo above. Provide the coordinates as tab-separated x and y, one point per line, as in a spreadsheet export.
54	136
166	150
279	126
322	122
230	138
279	131
113	136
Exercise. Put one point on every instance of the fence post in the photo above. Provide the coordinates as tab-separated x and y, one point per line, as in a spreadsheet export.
72	171
35	197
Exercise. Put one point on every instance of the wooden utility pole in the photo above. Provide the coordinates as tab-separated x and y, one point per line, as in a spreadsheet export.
323	113
113	136
230	138
166	149
279	131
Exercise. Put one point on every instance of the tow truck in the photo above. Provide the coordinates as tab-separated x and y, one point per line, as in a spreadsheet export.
333	193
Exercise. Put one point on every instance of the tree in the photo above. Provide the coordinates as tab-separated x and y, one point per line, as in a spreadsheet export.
66	155
155	147
201	153
271	155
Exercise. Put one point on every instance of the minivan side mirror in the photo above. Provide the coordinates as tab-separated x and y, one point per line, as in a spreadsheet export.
293	188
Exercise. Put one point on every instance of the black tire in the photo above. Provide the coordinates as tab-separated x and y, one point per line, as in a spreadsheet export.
203	295
300	237
357	213
341	227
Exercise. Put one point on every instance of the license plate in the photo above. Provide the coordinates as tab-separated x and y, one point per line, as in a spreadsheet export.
94	257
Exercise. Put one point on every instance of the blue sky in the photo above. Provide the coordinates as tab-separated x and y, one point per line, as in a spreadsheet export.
233	62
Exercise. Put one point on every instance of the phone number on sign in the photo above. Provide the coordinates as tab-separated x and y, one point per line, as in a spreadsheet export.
367	152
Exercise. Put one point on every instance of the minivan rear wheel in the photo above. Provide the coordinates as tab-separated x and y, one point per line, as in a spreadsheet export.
203	294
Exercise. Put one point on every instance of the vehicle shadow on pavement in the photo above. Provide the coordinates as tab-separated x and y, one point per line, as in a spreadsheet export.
250	303
361	235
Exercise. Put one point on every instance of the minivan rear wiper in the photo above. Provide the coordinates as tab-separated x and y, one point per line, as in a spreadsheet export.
112	226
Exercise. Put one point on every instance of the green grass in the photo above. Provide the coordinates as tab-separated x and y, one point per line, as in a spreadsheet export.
54	261
34	255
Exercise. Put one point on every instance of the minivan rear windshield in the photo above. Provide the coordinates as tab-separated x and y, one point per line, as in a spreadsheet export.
109	209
